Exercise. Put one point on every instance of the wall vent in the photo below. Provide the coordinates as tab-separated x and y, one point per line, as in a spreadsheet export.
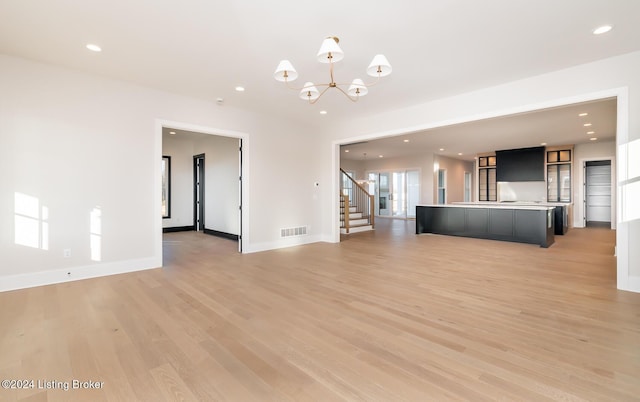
289	232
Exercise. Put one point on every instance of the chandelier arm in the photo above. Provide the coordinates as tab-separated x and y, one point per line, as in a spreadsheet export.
352	99
366	85
331	71
312	102
304	87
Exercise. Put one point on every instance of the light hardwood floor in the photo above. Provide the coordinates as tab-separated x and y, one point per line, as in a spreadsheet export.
382	316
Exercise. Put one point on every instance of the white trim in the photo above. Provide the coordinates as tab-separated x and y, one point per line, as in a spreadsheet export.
160	123
624	280
291	242
335	191
50	277
581	195
633	284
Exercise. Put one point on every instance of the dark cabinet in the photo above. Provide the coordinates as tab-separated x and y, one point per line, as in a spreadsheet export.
524	225
561	219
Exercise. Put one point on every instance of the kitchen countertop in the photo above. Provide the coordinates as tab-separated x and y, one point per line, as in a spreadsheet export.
496	205
553	204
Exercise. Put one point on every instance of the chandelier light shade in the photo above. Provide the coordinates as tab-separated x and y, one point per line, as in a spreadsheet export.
330	53
309	92
357	88
379	66
285	72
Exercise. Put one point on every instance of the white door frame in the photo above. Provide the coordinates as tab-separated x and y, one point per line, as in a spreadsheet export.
243	216
580	212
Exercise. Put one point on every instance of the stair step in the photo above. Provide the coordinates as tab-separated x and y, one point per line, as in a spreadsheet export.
352	215
358	222
356	229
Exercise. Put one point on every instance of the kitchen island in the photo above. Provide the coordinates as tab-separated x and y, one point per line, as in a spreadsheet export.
516	223
561	211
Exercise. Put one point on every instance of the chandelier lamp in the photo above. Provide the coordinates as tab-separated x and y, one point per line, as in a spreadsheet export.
331	53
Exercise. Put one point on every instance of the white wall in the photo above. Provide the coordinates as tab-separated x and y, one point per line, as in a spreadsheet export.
354	166
615	76
221	183
423	163
454	178
181	152
76	142
590	152
221	180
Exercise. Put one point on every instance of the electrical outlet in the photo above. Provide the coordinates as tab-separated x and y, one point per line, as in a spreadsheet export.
66	253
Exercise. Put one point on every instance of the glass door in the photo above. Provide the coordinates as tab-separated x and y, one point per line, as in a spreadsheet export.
383	206
413	192
397	193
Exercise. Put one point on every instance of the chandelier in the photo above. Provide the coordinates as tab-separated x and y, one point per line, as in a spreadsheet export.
330	53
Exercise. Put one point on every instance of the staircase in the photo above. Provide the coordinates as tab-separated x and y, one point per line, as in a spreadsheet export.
356	206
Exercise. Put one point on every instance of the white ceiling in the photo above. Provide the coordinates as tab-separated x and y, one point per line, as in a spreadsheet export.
557	126
204	48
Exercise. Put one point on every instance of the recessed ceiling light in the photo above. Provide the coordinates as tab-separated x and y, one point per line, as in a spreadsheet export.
590	132
543	143
379	156
239	88
602	29
93	48
172	132
583	114
346	150
587	124
323	112
441	149
459	153
593	138
406	140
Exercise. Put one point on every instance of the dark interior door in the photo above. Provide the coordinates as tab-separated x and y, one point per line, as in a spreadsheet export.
198	192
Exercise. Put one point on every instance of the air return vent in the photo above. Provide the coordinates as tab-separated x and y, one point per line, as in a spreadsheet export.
289	232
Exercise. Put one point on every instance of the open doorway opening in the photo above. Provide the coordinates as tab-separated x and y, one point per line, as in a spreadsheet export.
397	192
205	197
597	190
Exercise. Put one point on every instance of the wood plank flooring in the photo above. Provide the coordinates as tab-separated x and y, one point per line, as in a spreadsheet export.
382	316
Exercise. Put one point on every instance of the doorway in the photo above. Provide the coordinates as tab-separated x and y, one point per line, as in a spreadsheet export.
198	192
397	193
597	200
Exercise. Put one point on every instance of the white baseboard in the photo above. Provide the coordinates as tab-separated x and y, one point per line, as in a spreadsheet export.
289	242
633	284
30	280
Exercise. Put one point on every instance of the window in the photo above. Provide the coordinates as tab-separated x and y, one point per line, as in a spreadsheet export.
442	186
487	185
467	186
